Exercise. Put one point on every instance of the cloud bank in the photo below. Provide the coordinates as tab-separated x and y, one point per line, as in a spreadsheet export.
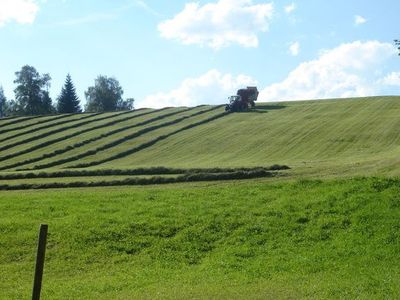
20	11
220	24
348	70
212	87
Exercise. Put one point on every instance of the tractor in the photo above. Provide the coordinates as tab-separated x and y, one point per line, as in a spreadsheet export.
243	100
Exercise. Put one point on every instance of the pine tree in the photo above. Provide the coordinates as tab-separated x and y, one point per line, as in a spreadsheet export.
68	101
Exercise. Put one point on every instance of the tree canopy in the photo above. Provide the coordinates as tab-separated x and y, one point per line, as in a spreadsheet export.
68	101
31	94
3	102
397	43
127	104
104	95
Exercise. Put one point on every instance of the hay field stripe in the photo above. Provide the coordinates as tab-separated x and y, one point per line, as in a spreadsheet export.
58	130
85	142
16	120
121	140
46	120
34	130
149	143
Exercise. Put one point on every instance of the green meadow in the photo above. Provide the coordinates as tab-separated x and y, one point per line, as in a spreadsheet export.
254	240
290	200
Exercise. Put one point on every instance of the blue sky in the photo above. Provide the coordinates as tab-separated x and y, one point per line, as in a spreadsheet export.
169	53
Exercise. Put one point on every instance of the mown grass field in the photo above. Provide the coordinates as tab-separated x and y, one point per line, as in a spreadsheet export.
328	227
315	138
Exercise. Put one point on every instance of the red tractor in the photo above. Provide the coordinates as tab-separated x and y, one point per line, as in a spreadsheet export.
243	100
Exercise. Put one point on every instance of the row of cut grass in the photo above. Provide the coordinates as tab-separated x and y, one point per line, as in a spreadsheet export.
37	182
59	128
127	138
30	124
180	120
55	147
131	172
36	128
9	121
14	136
63	137
149	143
114	175
140	180
56	142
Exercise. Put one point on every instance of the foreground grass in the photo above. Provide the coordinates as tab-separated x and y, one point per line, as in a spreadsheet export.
307	238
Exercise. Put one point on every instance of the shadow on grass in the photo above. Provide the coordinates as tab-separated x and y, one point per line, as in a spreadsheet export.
265	108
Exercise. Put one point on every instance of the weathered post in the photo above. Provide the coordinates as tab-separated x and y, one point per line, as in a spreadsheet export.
41	250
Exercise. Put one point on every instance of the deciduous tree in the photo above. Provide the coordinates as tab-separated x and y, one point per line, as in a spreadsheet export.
104	95
127	104
32	92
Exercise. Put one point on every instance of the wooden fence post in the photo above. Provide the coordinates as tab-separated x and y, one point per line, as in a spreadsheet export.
41	250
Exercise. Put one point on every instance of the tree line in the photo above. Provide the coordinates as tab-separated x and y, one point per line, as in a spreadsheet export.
32	96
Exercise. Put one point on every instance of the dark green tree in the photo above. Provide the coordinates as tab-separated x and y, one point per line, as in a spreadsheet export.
68	101
32	92
3	103
127	104
104	95
397	43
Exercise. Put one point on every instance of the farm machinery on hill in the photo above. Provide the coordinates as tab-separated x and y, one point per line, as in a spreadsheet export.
243	100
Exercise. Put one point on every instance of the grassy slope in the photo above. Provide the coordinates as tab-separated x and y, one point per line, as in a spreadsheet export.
78	138
244	239
352	136
331	136
311	239
59	130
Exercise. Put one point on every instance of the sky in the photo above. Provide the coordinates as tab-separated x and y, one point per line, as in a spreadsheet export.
183	53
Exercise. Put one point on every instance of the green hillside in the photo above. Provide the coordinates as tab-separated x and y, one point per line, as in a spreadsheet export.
320	138
116	233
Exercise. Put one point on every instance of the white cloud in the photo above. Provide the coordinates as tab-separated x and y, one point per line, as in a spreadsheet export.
290	8
219	24
20	11
294	48
345	71
359	20
212	87
392	79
